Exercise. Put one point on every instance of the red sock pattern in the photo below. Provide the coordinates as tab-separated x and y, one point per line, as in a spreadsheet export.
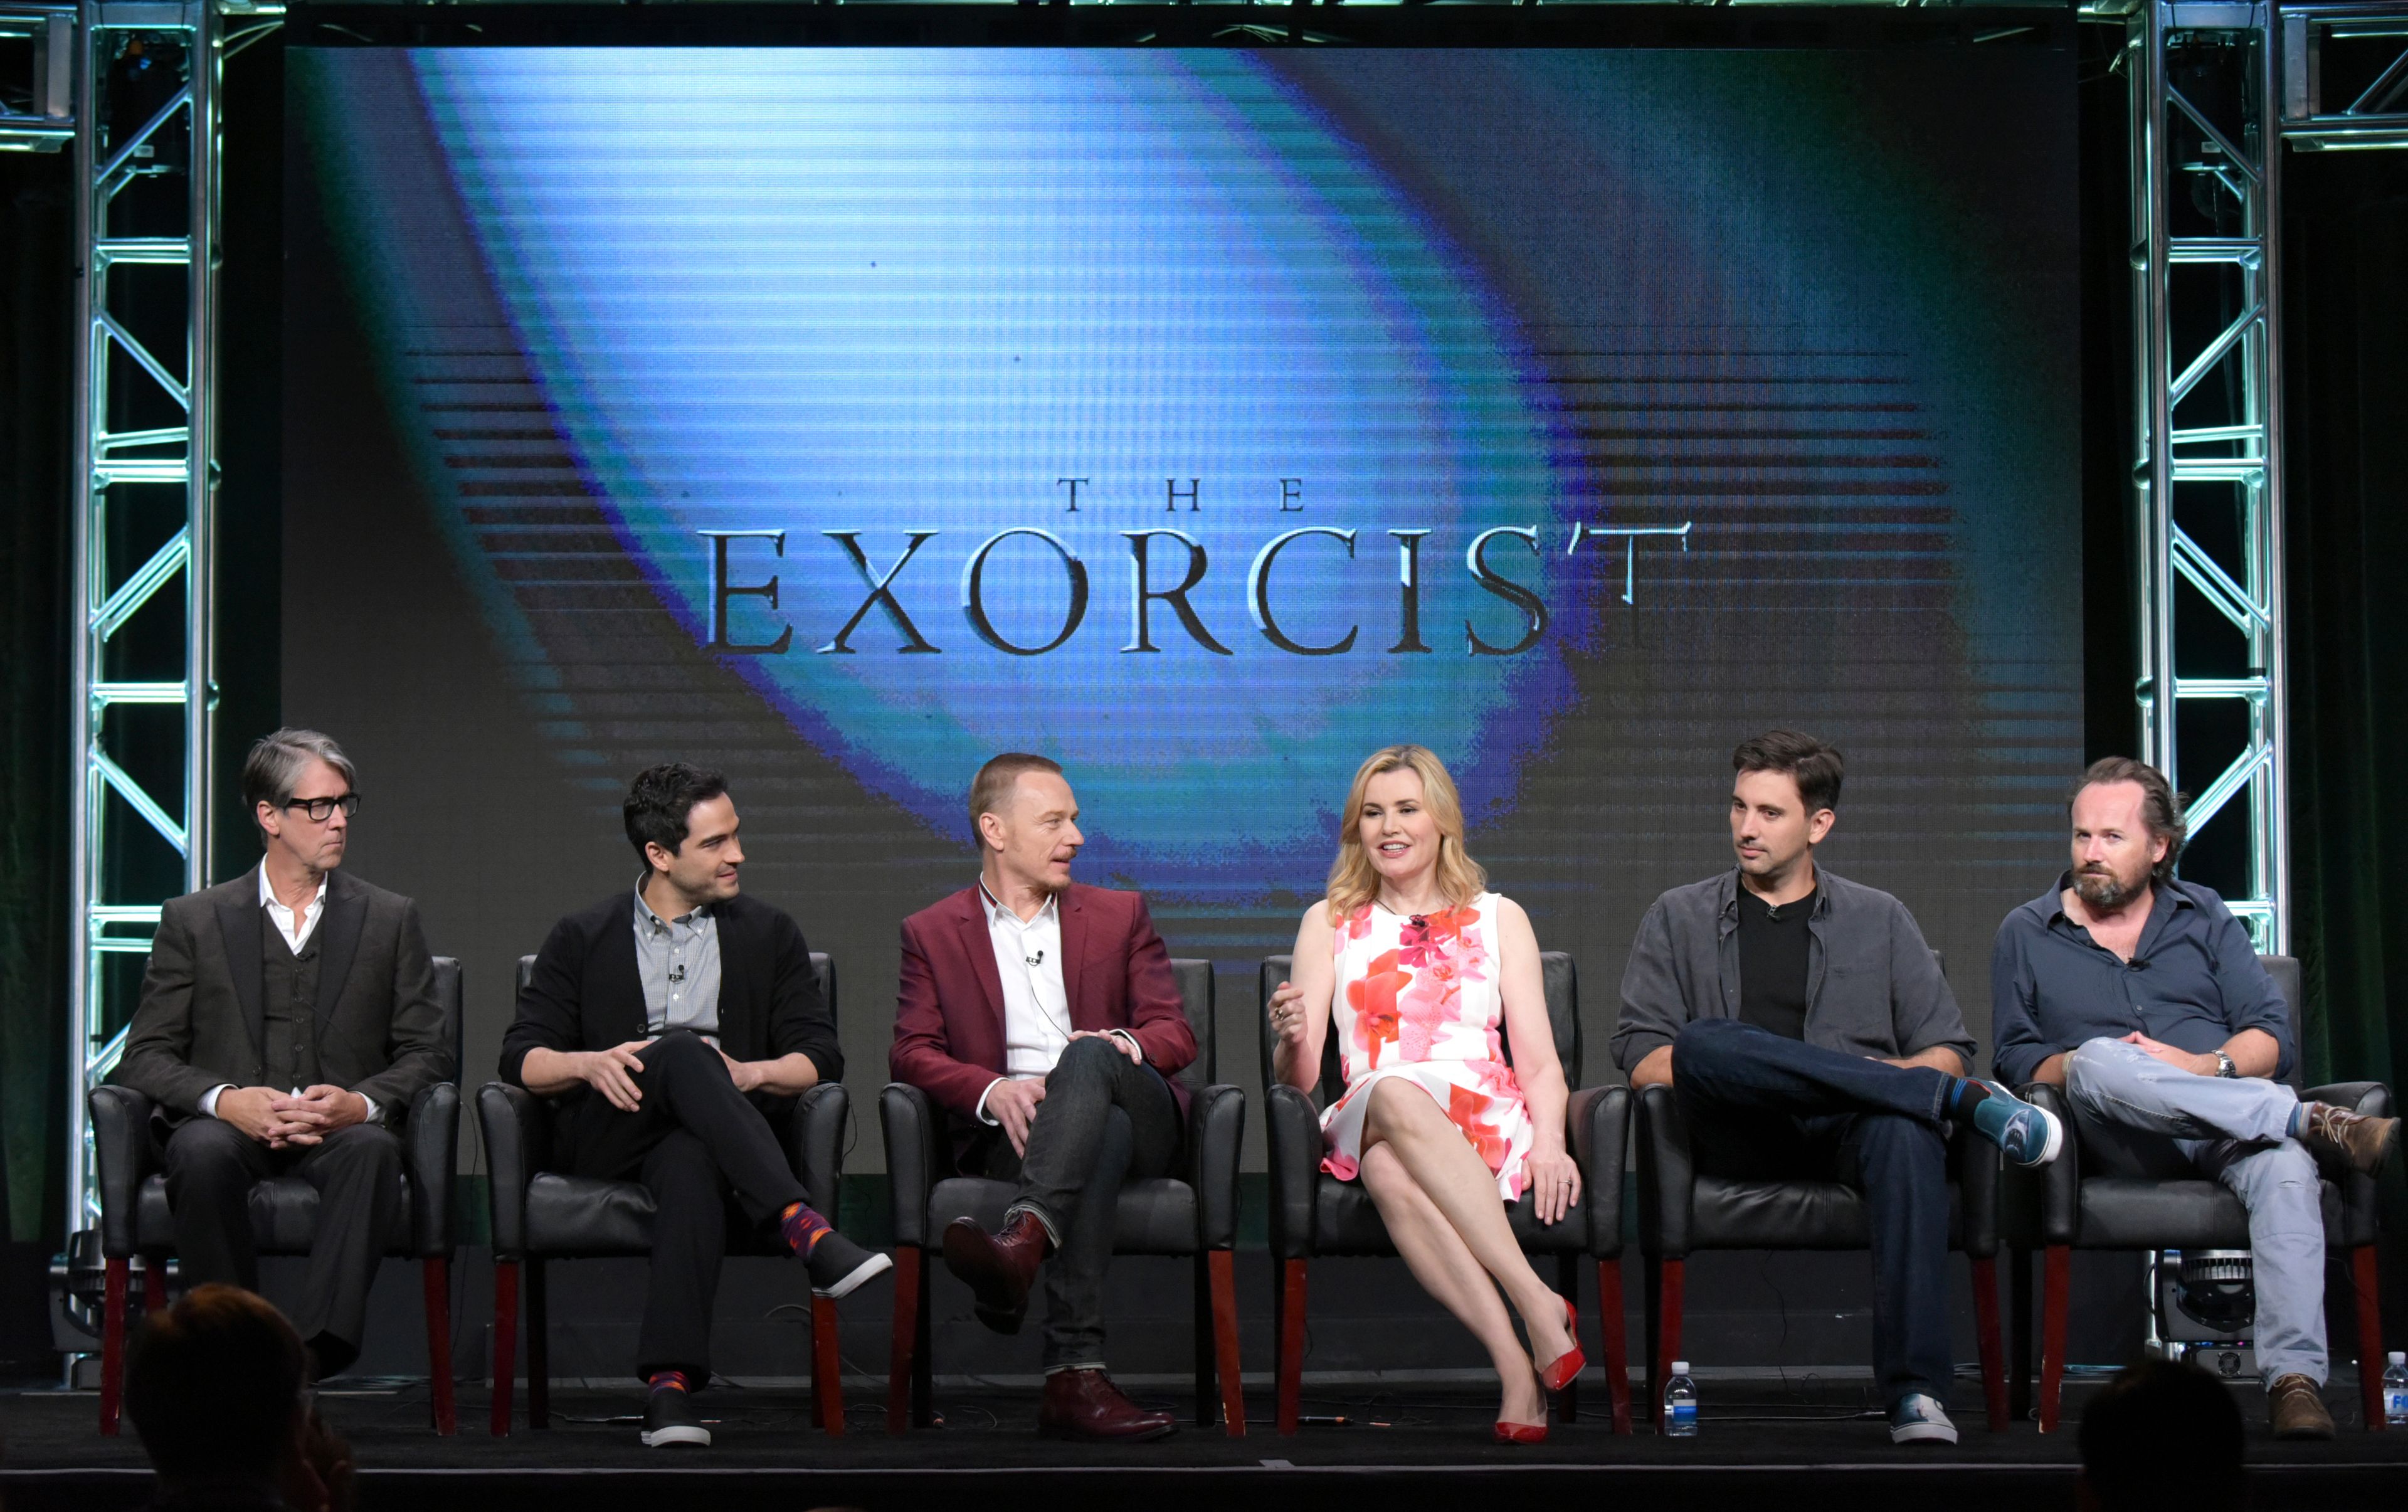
668	1380
802	1227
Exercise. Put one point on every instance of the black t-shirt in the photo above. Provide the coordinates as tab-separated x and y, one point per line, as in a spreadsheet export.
1772	944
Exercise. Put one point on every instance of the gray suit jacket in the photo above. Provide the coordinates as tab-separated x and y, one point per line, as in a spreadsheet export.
380	1032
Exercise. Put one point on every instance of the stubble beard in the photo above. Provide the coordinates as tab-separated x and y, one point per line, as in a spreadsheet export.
2105	893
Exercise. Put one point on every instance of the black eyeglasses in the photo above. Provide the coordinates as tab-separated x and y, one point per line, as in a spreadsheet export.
320	810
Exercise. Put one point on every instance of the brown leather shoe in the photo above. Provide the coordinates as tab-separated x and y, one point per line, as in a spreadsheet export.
2365	1143
999	1267
2294	1409
1085	1403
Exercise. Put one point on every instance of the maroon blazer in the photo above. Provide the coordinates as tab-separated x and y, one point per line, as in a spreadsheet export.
949	1002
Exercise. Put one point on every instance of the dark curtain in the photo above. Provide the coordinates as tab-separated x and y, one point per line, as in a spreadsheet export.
37	398
2346	299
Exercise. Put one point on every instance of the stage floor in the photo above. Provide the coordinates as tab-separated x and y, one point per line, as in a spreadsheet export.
1761	1439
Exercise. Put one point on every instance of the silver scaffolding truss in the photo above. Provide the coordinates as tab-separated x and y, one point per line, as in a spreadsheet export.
2215	91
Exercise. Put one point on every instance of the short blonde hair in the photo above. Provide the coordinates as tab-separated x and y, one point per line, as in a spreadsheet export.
992	786
1354	882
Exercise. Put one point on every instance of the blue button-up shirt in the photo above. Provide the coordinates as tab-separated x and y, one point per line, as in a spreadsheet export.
2194	982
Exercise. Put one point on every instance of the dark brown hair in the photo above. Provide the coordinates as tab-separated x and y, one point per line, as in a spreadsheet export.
2162	807
992	786
2163	1434
660	802
1813	765
213	1384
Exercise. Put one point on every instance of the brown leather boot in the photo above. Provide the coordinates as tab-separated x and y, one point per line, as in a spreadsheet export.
999	1268
1085	1403
2294	1409
2364	1141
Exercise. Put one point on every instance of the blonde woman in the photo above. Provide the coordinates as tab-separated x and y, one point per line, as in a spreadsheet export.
1415	965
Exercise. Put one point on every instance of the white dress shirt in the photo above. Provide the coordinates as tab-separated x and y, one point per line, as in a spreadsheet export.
1036	1005
296	934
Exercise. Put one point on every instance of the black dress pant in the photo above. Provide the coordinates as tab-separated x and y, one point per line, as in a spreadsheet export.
211	1168
693	1141
1105	1119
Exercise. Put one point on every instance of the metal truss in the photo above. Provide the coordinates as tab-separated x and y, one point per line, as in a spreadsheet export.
144	127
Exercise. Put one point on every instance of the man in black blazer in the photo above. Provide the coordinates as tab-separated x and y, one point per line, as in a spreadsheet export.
677	1025
287	1019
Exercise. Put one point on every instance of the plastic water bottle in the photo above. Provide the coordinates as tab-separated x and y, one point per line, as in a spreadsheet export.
1681	1401
2395	1392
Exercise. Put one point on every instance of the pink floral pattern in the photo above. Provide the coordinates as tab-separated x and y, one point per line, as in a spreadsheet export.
1417	998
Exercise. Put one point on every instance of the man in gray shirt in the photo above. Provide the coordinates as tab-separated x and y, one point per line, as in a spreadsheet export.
1806	1033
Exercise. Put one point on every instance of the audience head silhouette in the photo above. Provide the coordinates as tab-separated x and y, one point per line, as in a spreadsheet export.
2162	1434
214	1387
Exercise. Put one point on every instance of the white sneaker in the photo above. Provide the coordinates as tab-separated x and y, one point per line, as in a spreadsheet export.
1917	1418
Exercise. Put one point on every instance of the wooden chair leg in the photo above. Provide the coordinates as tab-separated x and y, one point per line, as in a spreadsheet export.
505	1342
1291	1344
1616	1346
2019	1325
435	1273
1220	1266
538	1306
2057	1284
1985	1331
1567	1288
924	1361
2369	1335
1200	1331
827	1366
1666	1303
112	1343
903	1335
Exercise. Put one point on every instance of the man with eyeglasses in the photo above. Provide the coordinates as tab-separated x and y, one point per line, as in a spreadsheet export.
288	1021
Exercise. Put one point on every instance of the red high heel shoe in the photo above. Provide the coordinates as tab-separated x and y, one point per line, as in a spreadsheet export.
1521	1433
1557	1373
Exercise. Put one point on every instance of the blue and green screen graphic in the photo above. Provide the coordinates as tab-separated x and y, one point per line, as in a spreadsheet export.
1205	420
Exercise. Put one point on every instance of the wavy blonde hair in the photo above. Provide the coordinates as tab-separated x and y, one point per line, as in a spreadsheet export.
1353	880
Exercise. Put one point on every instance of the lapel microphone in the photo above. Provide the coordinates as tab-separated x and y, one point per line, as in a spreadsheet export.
1038	960
677	973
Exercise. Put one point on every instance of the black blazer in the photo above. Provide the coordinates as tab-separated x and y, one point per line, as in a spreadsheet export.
585	993
201	1022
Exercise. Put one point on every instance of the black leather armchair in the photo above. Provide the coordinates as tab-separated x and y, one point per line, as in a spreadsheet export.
2059	1209
541	1216
1313	1213
134	1218
1194	1214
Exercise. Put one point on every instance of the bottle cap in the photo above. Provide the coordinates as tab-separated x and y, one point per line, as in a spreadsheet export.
2398	1358
1680	1367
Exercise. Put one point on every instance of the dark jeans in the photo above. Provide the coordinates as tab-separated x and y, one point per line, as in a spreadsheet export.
211	1167
1105	1119
1760	1106
693	1141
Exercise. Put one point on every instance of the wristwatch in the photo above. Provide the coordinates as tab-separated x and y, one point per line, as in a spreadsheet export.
2224	1066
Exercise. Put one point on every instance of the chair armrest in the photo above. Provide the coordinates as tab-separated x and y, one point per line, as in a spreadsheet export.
2360	1202
1977	1163
2050	1196
1216	1132
1599	1121
1667	1180
909	1124
1295	1147
432	1148
517	1128
120	1137
815	1144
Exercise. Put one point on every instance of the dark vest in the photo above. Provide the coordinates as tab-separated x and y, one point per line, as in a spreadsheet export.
289	1033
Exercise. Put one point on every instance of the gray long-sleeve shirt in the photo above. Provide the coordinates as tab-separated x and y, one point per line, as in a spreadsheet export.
1872	987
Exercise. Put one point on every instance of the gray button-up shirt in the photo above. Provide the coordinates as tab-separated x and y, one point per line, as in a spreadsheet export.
1872	986
2193	981
678	964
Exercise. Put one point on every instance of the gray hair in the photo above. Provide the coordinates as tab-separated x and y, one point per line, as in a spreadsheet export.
275	764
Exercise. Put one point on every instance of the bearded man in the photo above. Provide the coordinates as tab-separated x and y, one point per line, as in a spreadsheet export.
2143	997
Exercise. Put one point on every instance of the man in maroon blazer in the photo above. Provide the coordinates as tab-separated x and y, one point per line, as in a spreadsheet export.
1043	1018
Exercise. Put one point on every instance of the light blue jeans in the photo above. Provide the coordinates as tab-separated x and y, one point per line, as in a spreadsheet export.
2139	1117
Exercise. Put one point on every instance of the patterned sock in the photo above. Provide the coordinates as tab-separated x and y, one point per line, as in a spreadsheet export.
802	1228
668	1380
1966	1096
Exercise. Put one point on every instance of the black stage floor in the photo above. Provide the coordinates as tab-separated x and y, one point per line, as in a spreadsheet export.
1761	1439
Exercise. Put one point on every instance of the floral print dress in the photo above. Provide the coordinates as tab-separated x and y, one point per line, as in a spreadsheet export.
1416	996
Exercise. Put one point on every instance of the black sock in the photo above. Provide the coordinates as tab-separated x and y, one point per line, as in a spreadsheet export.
1967	1095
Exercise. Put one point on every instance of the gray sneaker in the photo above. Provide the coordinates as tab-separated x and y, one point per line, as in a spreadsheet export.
1917	1418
